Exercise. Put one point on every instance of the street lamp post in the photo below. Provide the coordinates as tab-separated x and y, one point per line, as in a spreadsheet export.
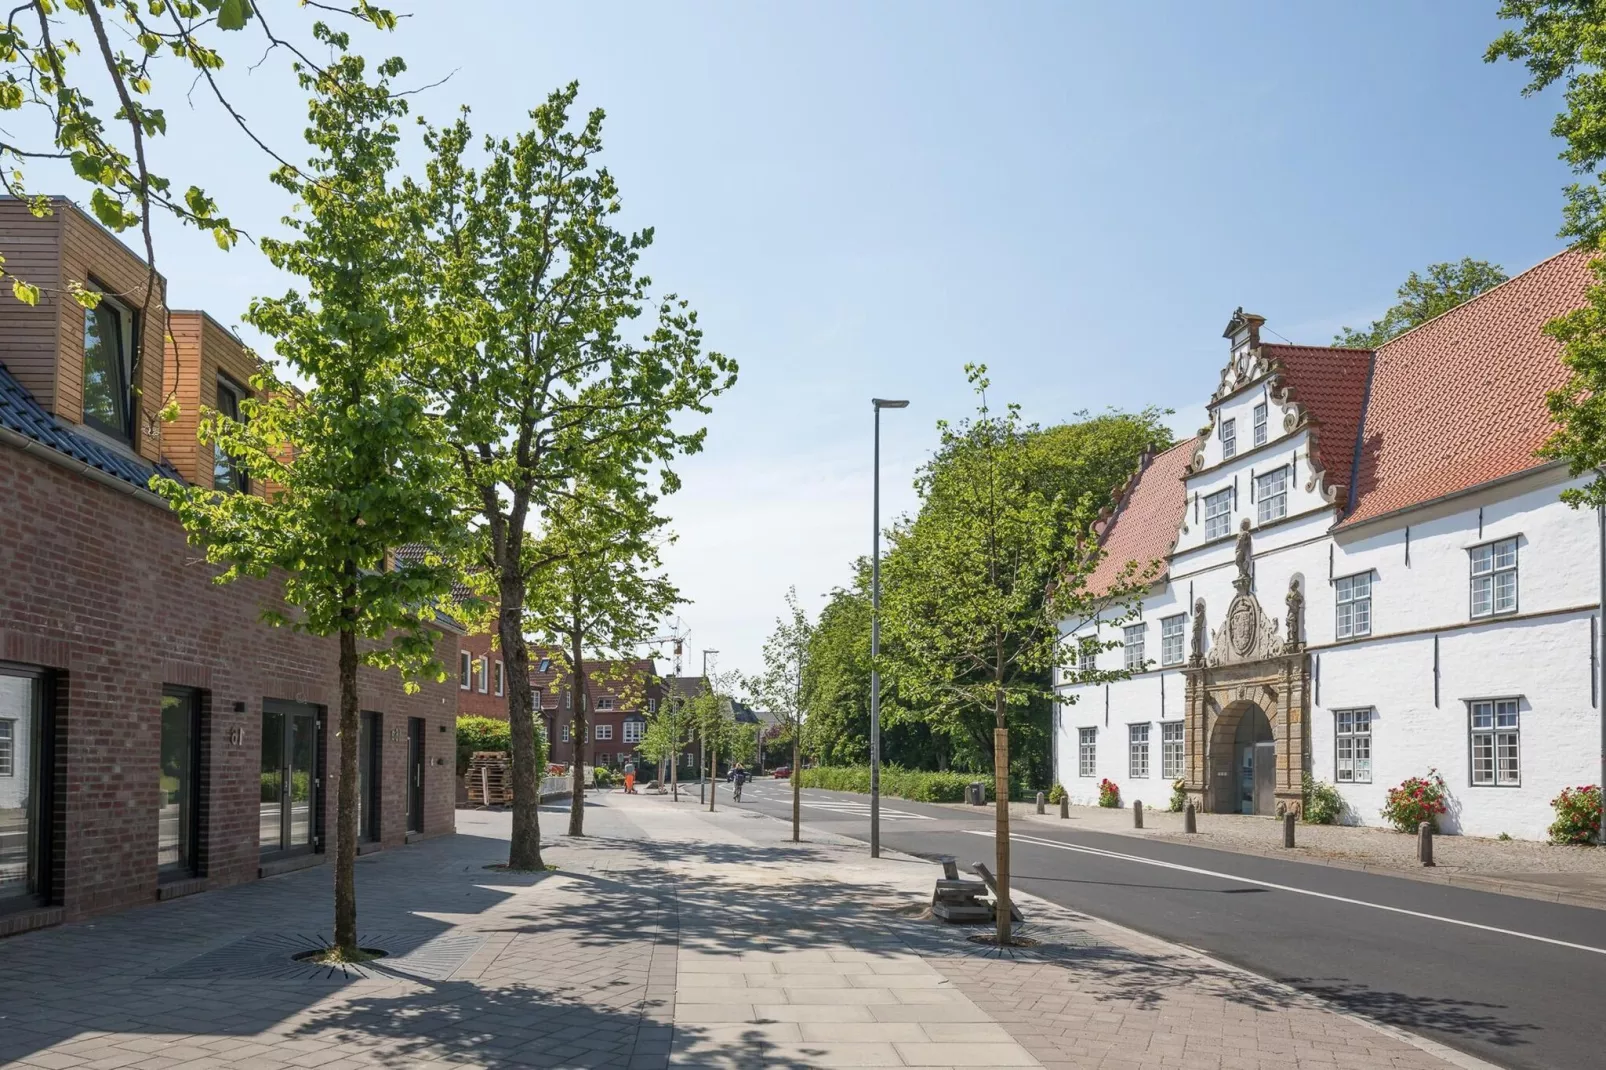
875	633
702	740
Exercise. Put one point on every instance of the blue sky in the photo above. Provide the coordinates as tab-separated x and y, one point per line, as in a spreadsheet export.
859	198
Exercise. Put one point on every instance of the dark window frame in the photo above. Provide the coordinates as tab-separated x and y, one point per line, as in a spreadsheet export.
45	802
236	481
189	865
125	366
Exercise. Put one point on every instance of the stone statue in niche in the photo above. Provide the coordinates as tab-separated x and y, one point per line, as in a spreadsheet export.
1197	656
1243	554
1296	615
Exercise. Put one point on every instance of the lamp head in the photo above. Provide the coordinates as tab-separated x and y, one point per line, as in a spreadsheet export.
885	403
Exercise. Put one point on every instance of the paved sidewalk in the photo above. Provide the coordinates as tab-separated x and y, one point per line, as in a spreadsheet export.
667	937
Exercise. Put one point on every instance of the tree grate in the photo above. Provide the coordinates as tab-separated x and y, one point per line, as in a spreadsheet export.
269	955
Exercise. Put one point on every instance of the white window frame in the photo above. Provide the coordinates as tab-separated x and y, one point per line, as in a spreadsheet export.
1132	638
500	683
566	733
8	747
605	758
484	673
652	705
1229	439
1352	745
465	670
1223	497
1271	495
1494	576
634	731
1494	727
1173	638
1352	606
1087	752
1086	654
124	364
605	704
1137	753
604	733
1261	412
1171	749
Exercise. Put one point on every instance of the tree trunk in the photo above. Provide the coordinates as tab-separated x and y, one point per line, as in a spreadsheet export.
797	789
674	758
1001	804
346	797
524	852
577	799
713	777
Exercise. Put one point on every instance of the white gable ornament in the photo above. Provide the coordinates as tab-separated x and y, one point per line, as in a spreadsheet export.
1246	634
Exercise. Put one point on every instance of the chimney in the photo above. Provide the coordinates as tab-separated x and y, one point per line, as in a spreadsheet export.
1243	332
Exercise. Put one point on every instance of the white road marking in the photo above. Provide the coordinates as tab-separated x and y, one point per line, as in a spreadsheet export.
849	807
1289	888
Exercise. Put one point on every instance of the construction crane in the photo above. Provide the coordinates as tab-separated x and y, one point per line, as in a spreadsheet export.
678	637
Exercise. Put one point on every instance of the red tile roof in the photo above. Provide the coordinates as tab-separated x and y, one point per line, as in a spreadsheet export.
1460	400
1331	384
1144	527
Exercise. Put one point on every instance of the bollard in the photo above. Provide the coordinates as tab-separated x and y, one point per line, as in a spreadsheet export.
1040	799
1065	806
1190	823
1424	843
1288	829
1137	813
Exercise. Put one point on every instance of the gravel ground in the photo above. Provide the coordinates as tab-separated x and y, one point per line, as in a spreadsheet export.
1360	845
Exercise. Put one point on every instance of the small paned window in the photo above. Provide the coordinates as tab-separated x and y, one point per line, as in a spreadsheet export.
1086	653
1171	629
1171	749
1353	750
565	736
604	758
652	705
1229	439
1271	496
1260	424
605	703
545	666
1494	578
1218	514
1353	596
1496	743
604	732
1133	645
1086	751
634	731
1138	751
8	747
226	475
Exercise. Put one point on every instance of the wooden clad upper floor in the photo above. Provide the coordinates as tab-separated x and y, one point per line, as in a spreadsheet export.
205	368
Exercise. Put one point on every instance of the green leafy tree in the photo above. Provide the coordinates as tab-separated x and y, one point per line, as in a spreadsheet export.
530	289
1565	43
1421	298
355	467
780	687
665	737
601	590
979	581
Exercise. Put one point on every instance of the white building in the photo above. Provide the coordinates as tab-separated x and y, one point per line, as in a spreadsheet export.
1439	599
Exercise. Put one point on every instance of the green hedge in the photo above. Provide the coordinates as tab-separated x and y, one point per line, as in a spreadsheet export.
491	734
897	783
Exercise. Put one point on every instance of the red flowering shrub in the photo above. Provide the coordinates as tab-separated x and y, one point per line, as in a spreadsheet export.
1416	800
1109	794
1577	815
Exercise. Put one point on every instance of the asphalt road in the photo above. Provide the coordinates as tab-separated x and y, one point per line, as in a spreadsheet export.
1517	982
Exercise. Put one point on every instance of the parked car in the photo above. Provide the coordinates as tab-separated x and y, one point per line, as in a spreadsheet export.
782	772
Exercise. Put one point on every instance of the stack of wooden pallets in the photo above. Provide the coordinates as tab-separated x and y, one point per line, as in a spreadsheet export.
489	779
956	899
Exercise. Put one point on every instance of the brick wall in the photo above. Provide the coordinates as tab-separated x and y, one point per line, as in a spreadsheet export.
103	589
473	702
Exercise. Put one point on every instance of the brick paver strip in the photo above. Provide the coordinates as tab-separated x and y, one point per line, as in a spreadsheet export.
667	937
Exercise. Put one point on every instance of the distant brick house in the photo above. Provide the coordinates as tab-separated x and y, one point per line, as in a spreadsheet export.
619	695
156	738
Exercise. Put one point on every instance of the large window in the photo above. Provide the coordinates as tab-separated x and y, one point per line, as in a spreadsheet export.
1137	751
1353	596
1218	514
1171	629
1086	751
226	475
178	799
1353	738
1496	743
634	730
1133	645
24	803
1494	578
1229	438
290	772
1271	496
1260	424
1171	749
109	369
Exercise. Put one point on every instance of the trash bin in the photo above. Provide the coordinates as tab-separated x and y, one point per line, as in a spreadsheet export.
976	793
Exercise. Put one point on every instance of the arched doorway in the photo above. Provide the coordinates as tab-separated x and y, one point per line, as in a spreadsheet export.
1254	764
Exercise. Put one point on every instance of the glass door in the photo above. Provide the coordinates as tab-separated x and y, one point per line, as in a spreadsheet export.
176	829
289	776
415	774
24	832
369	764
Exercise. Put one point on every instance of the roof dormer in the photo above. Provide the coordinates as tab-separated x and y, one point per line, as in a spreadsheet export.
207	369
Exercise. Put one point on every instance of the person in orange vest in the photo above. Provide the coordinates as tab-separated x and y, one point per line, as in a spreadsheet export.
630	778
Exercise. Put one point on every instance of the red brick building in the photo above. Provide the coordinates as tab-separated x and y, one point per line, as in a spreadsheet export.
620	695
156	738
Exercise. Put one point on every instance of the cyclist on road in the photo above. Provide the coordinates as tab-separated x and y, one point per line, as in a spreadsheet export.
739	779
